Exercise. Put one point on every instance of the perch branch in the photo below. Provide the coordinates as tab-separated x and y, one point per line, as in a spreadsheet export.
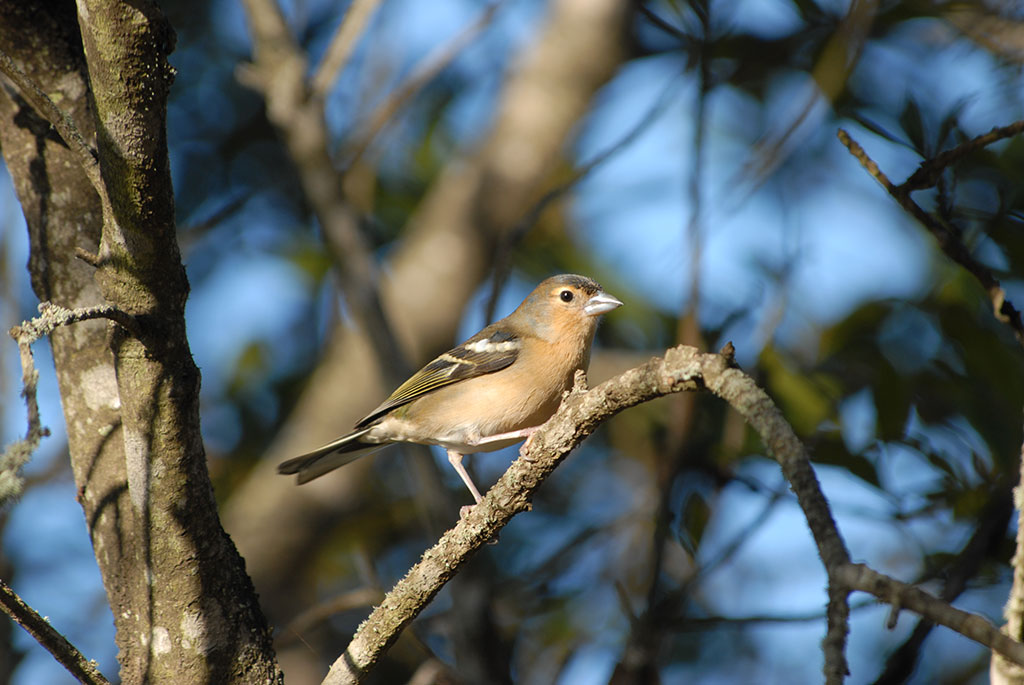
682	369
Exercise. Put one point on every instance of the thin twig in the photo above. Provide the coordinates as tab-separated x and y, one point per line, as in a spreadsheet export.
930	170
947	237
51	640
279	67
317	614
696	624
51	316
59	119
342	45
530	218
425	72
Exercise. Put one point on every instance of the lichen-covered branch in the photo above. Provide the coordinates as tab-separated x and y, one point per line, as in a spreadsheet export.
31	91
50	317
682	369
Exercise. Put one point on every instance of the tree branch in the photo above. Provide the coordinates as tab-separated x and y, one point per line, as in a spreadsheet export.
50	317
904	596
947	236
298	115
342	45
425	72
1001	670
42	103
51	640
682	369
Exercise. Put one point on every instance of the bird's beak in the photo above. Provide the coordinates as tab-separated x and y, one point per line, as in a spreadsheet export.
601	303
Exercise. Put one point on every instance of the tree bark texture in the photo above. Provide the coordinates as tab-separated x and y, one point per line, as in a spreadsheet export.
183	607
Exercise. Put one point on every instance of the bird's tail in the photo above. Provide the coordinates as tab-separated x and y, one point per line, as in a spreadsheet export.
333	455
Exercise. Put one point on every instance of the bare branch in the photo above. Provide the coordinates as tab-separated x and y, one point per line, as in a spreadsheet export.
904	596
315	615
929	171
682	369
50	317
947	236
280	74
342	46
432	65
60	121
51	640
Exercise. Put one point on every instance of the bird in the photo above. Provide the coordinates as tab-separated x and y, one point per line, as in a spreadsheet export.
494	390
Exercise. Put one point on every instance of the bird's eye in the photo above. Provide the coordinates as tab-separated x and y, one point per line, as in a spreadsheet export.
566	295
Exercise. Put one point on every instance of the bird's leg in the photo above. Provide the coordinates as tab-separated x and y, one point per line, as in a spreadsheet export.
455	459
511	435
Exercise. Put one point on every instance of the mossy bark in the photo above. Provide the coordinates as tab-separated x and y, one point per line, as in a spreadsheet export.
184	609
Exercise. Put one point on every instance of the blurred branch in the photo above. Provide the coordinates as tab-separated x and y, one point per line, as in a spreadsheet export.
431	273
50	317
947	236
279	73
64	652
930	170
830	74
42	103
425	72
993	27
310	618
192	233
518	232
342	46
988	535
698	624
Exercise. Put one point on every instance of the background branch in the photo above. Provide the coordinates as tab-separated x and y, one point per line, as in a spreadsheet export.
946	235
47	636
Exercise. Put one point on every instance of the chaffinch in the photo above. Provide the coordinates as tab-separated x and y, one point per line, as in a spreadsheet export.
491	391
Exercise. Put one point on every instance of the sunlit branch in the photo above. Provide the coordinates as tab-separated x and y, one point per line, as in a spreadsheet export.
904	596
342	45
682	369
50	317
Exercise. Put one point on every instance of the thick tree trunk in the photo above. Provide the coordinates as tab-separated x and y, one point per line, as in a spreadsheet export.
184	609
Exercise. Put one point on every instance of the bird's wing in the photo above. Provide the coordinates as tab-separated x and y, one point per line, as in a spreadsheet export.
486	352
